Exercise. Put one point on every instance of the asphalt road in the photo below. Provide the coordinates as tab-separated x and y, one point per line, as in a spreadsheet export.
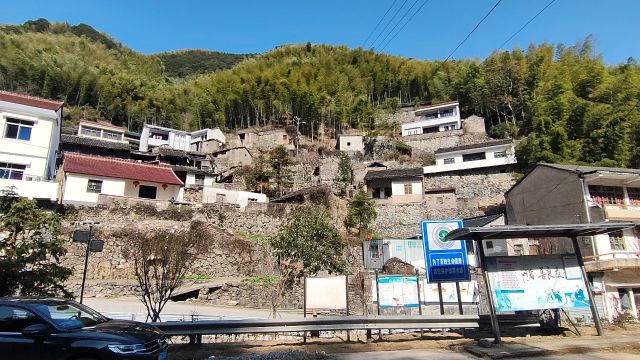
131	308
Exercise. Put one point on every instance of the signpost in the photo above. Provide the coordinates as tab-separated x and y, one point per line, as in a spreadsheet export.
93	245
446	260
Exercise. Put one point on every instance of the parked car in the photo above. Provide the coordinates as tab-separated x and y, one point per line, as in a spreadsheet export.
49	328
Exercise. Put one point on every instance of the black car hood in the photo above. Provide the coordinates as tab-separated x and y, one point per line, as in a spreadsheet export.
132	331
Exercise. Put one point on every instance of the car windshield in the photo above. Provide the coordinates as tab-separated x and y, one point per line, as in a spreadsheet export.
70	315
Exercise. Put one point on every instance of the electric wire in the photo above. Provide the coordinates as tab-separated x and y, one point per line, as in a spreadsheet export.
398	22
378	24
405	24
474	29
388	23
527	23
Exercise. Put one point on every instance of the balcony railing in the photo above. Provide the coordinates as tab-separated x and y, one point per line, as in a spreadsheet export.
612	261
33	188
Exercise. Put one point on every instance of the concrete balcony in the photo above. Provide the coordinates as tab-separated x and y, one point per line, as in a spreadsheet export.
612	261
622	212
47	190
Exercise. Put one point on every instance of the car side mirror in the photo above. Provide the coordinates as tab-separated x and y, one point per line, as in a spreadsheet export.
36	330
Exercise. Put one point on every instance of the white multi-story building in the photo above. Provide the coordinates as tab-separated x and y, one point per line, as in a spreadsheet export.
154	136
434	118
30	134
473	156
102	130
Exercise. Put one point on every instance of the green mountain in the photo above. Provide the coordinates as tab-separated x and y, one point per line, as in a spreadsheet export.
563	101
185	63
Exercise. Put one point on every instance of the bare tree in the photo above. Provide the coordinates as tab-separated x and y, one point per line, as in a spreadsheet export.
161	259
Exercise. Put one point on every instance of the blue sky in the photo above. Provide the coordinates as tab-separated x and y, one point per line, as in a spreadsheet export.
252	26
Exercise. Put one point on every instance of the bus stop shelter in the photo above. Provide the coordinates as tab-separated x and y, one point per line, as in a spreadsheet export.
562	232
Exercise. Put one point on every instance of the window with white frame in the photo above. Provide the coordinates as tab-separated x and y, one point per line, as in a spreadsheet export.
446	113
12	171
90	131
500	154
18	129
111	135
94	186
448	161
616	239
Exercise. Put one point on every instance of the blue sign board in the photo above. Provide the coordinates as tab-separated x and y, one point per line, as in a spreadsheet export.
446	260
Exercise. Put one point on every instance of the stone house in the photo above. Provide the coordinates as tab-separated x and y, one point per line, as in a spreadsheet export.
92	180
569	194
29	142
232	157
396	185
264	140
351	143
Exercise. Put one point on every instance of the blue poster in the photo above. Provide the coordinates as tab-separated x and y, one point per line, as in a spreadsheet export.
446	260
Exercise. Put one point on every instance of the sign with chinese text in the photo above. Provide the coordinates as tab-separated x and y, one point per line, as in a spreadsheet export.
397	291
469	293
446	260
536	282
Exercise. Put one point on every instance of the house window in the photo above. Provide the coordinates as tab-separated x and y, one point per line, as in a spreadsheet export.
12	171
489	244
500	154
634	196
606	195
199	180
159	136
147	192
111	135
431	116
94	186
616	239
220	198
252	200
407	189
18	129
449	161
474	156
348	144
446	113
89	131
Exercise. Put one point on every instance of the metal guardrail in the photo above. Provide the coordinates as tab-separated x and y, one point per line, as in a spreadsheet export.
195	329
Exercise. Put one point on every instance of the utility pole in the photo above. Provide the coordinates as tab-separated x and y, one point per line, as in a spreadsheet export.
298	122
86	258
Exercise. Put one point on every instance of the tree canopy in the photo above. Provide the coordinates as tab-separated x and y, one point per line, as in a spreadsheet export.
564	101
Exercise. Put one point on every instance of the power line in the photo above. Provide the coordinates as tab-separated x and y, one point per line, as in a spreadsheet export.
474	29
405	24
379	22
390	21
527	23
399	21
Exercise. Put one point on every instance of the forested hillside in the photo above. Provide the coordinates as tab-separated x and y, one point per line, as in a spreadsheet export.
185	63
565	103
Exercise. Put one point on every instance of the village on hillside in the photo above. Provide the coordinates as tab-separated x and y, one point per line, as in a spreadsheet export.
437	166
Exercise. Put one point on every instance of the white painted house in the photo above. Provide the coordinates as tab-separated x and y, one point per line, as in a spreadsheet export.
102	130
30	135
154	136
213	195
434	118
473	156
92	180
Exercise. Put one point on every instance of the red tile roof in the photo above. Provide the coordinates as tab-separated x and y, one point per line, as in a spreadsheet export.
30	101
118	168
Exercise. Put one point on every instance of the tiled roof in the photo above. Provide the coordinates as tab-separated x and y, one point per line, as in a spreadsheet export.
394	173
429	107
479	221
92	142
30	101
302	192
579	169
118	168
169	151
474	146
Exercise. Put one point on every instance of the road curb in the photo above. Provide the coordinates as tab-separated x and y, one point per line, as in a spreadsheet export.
519	350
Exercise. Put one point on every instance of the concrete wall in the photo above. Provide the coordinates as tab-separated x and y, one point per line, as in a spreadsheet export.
351	143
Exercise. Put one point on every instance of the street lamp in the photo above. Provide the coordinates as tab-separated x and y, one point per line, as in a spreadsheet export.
92	245
298	122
